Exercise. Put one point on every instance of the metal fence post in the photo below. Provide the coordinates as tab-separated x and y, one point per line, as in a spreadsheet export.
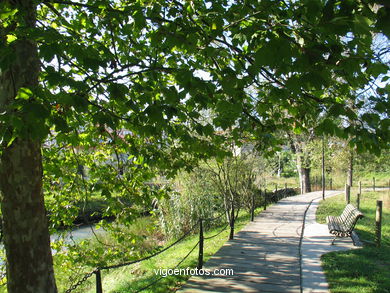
99	288
201	242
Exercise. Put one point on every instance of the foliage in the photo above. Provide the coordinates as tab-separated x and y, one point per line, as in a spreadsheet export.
368	163
131	79
116	178
210	190
73	259
195	197
235	179
138	66
337	154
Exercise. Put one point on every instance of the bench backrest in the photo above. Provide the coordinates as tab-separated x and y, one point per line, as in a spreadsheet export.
349	218
347	210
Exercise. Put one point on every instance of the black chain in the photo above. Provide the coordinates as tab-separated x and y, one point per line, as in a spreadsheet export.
152	255
161	277
81	281
88	275
215	235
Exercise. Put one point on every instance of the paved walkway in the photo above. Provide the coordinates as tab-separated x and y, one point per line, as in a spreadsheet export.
265	255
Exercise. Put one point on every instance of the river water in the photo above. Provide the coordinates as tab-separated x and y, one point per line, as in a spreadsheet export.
79	233
75	235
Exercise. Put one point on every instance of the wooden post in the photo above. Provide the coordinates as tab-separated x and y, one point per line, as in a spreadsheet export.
347	193
358	201
285	185
99	288
360	187
378	223
265	199
201	242
373	183
276	187
253	208
302	187
330	183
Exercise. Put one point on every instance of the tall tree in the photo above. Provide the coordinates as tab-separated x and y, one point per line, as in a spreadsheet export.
300	147
73	70
26	235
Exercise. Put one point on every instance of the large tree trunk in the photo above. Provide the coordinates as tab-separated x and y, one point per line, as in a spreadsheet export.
304	175
25	228
26	235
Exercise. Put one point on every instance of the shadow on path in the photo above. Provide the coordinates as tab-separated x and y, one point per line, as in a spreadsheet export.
265	255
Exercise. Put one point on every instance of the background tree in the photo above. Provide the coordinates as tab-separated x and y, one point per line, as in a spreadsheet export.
234	178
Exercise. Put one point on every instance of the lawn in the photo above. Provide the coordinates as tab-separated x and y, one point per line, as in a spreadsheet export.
365	269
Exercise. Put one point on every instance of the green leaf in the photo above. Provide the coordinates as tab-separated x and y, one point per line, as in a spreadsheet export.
383	20
61	124
24	94
375	69
117	90
362	24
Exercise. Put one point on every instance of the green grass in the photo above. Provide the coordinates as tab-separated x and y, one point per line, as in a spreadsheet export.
273	181
381	179
131	278
366	269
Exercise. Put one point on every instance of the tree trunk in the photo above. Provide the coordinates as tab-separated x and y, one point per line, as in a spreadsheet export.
232	220
305	179
350	170
25	227
304	175
26	235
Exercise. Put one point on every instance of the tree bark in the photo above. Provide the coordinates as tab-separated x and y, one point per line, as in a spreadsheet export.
25	227
304	175
232	220
350	170
26	234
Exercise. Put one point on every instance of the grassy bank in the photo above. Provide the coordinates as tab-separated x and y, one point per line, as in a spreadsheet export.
366	269
132	278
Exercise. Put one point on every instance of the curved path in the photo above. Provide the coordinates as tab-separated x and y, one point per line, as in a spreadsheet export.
266	254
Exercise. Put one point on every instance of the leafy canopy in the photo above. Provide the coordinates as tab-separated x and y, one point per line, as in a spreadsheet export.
153	68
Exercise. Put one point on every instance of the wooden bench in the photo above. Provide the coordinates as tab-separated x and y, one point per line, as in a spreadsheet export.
343	225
